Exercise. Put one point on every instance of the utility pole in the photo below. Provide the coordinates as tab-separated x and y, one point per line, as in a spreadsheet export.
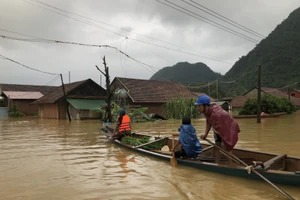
69	77
217	89
108	117
65	97
259	95
289	91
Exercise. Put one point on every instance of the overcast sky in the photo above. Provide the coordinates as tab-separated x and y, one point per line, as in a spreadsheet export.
153	29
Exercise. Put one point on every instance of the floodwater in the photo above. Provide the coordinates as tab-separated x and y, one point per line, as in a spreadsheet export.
55	160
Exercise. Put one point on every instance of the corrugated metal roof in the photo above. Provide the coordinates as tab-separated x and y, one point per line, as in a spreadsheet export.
87	104
22	95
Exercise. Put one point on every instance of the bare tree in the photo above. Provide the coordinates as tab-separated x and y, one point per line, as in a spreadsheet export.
108	116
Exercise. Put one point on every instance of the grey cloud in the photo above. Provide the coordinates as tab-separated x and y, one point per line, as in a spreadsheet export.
146	17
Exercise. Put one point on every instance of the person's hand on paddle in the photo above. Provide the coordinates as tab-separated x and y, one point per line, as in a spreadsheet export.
203	136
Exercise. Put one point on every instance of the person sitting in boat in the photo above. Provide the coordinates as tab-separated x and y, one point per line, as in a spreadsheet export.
190	145
225	128
123	127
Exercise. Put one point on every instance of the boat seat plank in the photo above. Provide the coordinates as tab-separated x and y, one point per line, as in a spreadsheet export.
268	164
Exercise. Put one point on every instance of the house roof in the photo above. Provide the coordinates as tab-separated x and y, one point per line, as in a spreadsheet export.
57	93
238	101
298	91
153	91
278	93
27	88
23	95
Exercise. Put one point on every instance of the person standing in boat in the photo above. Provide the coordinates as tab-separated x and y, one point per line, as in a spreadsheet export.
190	145
123	127
225	128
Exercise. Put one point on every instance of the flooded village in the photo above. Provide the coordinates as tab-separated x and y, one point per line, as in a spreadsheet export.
88	112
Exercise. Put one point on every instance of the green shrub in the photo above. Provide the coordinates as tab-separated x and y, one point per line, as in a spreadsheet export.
269	104
13	112
181	107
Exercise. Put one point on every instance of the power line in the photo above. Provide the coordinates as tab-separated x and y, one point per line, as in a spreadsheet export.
95	25
40	40
215	24
85	22
47	84
202	86
282	87
225	19
208	21
192	54
124	29
27	66
239	77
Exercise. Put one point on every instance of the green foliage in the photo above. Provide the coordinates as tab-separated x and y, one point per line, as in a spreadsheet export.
137	115
13	112
180	107
186	73
269	104
278	54
133	141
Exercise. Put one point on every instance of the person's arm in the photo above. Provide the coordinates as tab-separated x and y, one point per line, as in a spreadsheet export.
117	127
208	127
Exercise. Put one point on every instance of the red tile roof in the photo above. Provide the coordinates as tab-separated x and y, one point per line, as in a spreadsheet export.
238	101
278	93
152	91
57	94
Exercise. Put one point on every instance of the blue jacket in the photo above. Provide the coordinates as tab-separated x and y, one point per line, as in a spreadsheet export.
189	141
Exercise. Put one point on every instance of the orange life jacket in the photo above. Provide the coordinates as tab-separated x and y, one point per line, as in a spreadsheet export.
125	124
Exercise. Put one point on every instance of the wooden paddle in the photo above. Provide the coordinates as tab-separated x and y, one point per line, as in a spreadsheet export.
252	169
173	159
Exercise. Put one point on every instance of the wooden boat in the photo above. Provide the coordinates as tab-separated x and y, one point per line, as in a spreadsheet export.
264	116
277	168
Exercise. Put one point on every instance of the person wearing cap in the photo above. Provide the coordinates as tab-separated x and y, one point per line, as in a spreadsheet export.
190	145
225	128
123	127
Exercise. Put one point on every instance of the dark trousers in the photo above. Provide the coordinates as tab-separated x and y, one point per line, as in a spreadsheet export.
120	135
180	153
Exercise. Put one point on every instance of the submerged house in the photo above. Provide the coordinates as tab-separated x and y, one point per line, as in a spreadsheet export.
238	102
22	96
148	93
84	100
295	93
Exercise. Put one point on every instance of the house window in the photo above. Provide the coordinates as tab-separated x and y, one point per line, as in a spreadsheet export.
292	95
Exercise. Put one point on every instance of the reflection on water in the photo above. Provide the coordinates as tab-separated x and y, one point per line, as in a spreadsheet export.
50	159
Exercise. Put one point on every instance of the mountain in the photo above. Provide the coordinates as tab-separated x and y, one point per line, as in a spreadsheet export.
187	73
278	55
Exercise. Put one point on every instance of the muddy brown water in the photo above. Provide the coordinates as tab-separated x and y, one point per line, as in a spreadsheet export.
54	160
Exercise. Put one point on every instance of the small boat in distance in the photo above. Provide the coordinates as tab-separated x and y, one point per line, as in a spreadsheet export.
274	115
